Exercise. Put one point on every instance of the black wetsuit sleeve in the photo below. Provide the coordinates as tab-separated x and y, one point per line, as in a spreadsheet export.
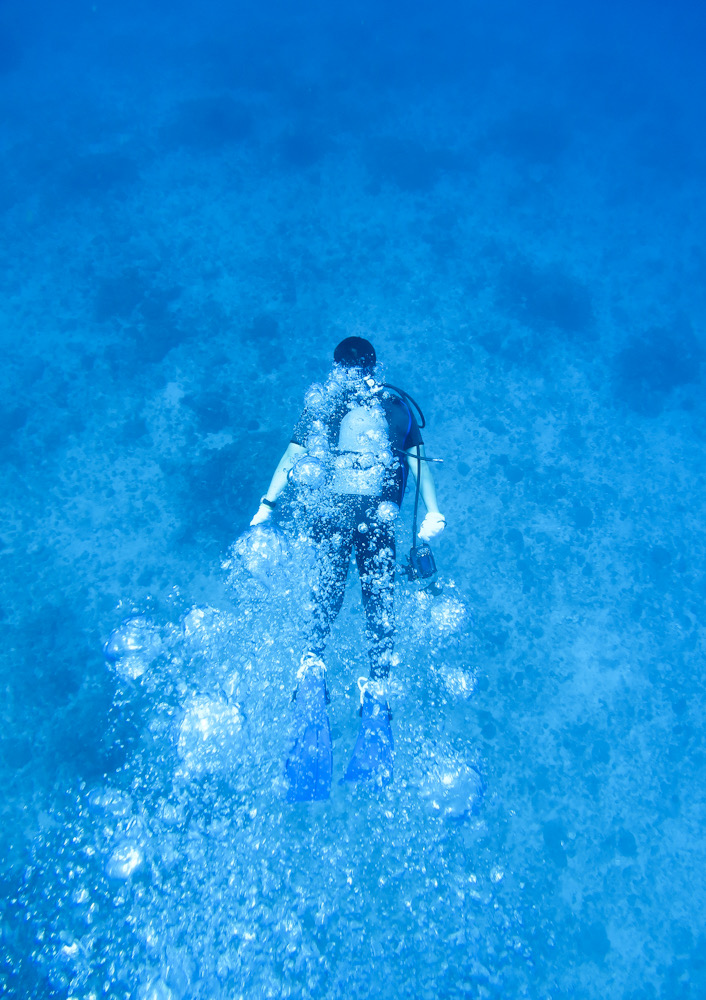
302	428
404	435
414	435
404	429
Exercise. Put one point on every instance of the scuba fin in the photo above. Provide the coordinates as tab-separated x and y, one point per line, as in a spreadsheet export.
309	765
373	752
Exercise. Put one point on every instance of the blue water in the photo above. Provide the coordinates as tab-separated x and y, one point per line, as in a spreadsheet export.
197	202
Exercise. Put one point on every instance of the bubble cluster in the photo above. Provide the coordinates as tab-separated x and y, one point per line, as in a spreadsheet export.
211	736
263	555
314	397
388	511
452	788
309	472
458	680
124	860
448	613
132	647
110	801
185	873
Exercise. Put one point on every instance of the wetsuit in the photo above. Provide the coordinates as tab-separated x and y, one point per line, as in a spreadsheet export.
364	437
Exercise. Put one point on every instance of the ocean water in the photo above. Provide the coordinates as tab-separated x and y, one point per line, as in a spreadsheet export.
197	202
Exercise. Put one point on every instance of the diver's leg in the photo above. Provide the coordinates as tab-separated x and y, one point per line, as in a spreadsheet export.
334	542
375	557
372	758
309	765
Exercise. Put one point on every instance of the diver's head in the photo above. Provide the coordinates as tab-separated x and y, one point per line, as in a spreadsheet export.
354	352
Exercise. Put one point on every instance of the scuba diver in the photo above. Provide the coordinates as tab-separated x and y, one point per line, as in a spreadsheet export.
351	452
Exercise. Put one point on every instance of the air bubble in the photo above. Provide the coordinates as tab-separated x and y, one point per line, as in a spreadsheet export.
448	614
262	552
124	860
156	989
132	647
210	736
314	397
309	472
453	789
388	511
458	681
111	801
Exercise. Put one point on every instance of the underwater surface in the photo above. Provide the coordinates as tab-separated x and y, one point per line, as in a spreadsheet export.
197	202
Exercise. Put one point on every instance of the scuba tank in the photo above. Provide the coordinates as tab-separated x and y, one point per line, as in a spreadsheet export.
363	452
348	449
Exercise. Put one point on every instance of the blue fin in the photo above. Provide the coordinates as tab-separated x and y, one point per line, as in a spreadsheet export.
372	755
310	763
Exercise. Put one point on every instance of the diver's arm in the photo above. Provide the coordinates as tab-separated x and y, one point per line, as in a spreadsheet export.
278	481
286	463
434	522
427	490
